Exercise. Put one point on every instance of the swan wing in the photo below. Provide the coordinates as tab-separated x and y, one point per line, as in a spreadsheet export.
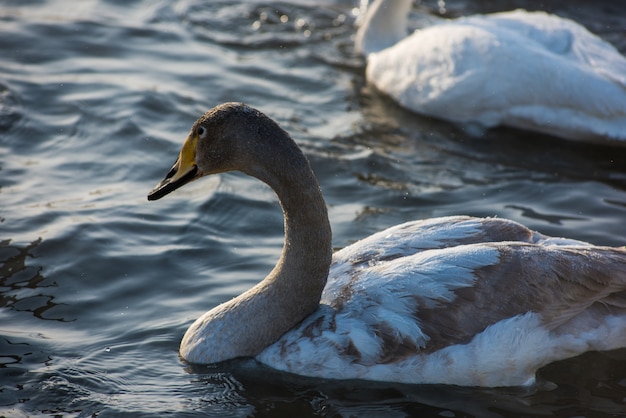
408	318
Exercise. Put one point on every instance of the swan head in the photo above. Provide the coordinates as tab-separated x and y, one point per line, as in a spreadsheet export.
231	136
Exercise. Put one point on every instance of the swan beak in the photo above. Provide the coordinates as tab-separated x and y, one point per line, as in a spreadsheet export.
182	172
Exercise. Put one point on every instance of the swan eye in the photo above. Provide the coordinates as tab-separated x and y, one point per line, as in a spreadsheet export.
201	131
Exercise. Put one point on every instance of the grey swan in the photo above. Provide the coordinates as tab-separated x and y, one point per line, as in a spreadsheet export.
453	300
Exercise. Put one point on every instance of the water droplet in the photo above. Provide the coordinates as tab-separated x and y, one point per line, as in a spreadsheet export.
300	23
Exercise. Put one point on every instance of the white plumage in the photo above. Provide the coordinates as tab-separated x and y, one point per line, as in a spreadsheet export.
528	70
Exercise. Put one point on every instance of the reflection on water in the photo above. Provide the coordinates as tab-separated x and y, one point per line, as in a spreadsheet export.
248	386
9	114
553	219
97	286
23	287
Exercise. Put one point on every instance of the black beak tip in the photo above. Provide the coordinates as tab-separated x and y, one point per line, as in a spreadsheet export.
162	188
166	186
159	191
153	195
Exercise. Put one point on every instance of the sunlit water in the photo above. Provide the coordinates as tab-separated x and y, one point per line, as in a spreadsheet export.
97	285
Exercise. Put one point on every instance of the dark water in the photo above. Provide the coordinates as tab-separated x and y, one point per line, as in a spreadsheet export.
97	285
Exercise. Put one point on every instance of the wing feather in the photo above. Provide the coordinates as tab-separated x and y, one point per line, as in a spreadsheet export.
417	297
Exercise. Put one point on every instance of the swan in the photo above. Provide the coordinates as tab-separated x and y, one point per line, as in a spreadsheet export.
526	70
453	300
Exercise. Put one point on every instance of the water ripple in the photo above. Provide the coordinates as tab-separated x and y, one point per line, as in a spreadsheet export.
98	285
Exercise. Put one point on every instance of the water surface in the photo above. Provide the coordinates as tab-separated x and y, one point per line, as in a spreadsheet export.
97	285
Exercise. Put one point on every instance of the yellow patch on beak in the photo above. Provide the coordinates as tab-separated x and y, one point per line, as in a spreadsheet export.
183	171
186	159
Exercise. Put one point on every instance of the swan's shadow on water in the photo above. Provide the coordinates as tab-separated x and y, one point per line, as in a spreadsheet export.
248	385
268	391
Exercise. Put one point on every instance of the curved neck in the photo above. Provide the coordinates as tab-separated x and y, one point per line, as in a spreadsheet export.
303	266
244	326
385	24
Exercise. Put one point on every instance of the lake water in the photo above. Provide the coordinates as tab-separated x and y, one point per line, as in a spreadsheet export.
97	285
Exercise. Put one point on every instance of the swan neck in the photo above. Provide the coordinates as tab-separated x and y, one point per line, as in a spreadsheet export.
247	324
384	25
293	289
307	248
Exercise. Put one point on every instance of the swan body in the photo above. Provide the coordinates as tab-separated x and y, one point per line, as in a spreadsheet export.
454	300
527	70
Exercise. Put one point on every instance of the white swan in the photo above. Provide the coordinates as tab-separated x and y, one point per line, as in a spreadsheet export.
455	300
527	70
